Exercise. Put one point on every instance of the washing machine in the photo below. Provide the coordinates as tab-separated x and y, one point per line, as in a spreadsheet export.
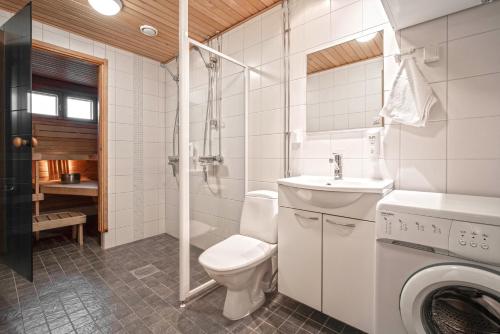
437	264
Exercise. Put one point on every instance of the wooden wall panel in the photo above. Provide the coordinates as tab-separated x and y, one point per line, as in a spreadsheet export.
50	169
206	19
64	137
70	70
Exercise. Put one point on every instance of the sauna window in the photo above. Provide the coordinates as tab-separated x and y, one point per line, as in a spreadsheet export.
82	109
44	104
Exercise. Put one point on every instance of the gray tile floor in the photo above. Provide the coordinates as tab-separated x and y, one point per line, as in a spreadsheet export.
132	289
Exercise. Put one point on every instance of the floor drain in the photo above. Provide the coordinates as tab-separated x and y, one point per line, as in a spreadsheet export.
145	271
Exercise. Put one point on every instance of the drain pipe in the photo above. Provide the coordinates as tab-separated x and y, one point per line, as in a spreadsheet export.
286	84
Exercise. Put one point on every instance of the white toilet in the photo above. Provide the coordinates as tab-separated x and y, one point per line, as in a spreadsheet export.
242	262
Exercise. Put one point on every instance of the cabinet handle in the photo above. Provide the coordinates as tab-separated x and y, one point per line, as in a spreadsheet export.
339	224
298	215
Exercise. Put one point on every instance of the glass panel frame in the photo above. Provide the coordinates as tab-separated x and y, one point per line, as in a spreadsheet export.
40	93
80	99
186	291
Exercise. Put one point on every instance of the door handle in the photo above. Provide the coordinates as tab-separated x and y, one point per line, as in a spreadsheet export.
298	215
18	142
339	224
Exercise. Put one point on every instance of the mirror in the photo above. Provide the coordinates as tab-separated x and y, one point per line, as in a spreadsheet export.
345	85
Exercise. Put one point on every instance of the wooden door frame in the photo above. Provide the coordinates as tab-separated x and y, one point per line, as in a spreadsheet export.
102	137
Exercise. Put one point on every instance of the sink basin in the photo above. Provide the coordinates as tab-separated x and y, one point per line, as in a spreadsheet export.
326	192
328	183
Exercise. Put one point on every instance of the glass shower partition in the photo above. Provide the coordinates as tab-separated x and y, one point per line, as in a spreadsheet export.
218	100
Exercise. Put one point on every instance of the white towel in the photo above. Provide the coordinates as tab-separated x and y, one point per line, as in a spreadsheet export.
411	98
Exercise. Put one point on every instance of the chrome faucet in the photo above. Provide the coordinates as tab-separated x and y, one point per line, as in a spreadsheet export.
336	160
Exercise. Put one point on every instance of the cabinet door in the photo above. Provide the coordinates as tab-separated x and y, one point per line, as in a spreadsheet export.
348	270
299	256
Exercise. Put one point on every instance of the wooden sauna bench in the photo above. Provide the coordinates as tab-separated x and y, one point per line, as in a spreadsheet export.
48	221
84	188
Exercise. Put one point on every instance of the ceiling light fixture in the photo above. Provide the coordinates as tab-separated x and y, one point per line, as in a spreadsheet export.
107	7
366	38
148	30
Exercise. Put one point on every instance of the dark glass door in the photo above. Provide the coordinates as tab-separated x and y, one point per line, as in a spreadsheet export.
15	144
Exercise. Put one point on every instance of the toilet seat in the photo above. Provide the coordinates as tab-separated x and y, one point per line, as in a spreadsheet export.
235	253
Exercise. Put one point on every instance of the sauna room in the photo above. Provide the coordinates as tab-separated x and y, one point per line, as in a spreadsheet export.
65	146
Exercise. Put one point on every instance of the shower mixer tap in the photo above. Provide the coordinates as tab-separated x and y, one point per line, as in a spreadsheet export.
214	123
211	160
173	160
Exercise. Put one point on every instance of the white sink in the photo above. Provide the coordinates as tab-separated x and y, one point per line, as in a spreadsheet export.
325	191
328	183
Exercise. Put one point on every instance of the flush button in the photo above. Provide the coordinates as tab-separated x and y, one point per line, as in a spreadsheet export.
485	246
462	242
473	244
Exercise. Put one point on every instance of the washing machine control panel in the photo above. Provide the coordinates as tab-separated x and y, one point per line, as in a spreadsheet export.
418	230
477	242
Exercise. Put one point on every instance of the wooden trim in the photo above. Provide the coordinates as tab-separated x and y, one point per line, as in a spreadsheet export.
40	45
102	148
102	137
37	197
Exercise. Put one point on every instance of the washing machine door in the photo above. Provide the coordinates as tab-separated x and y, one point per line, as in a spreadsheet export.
451	299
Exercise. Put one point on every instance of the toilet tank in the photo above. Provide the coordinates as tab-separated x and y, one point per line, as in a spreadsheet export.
259	217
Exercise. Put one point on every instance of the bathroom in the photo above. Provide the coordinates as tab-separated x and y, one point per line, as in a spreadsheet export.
211	138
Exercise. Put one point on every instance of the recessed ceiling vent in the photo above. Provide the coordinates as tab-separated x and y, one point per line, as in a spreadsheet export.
149	30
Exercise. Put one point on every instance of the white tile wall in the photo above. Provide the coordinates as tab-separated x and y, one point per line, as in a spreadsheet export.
215	207
352	93
460	141
461	135
121	127
457	152
461	138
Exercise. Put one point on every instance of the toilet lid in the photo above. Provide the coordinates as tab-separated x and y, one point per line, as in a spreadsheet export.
236	252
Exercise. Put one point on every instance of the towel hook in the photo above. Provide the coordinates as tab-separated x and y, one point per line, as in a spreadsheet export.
430	53
407	52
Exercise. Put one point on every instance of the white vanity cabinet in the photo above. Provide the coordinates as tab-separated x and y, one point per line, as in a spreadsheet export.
326	262
299	255
326	245
348	270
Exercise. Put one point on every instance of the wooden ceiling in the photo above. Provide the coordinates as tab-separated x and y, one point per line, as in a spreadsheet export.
206	19
53	66
345	53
